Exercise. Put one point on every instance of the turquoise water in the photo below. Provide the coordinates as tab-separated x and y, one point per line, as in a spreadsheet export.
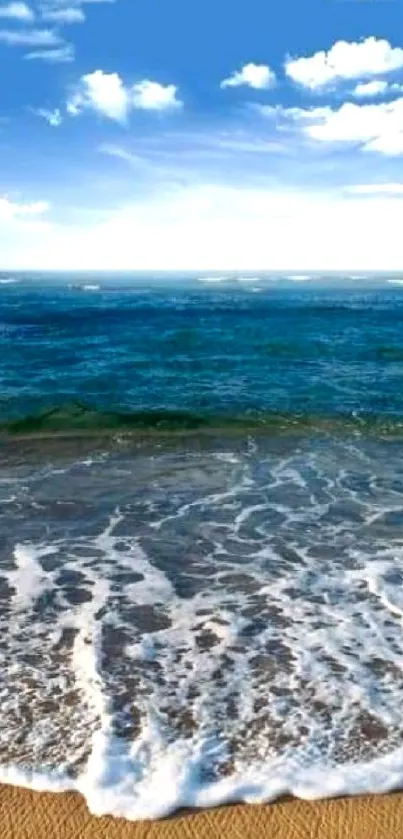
189	353
201	597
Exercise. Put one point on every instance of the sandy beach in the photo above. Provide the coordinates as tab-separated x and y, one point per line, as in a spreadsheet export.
25	814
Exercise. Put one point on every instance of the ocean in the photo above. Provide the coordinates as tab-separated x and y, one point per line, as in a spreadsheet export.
201	537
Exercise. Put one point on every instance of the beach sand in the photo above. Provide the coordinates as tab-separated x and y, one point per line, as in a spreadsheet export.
25	814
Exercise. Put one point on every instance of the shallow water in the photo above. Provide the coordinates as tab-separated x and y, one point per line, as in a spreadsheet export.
229	612
199	618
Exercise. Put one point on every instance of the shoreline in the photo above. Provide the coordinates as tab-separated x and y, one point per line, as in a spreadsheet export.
25	814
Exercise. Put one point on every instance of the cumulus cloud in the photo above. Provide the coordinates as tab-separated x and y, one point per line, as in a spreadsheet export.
11	209
107	94
152	96
370	89
375	127
17	11
101	92
345	60
257	76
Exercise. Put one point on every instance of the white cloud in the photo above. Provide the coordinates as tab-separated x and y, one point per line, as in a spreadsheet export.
60	55
257	76
17	11
217	227
345	60
376	189
375	127
107	94
54	118
152	96
101	92
12	209
122	154
64	15
30	37
374	88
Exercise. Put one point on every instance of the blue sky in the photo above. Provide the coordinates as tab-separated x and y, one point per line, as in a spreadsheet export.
147	134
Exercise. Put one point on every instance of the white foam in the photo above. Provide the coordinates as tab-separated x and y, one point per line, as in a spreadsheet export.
8	281
115	782
28	578
264	618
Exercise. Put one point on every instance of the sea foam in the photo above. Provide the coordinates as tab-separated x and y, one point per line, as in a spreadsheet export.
230	633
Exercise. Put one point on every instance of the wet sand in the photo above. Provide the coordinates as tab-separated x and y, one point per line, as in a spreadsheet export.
25	814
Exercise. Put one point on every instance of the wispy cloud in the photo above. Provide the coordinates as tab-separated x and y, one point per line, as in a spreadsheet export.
257	76
376	189
119	152
64	15
61	55
17	11
66	12
30	37
53	118
12	209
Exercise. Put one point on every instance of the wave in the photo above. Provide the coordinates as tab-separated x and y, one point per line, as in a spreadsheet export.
213	279
78	418
172	618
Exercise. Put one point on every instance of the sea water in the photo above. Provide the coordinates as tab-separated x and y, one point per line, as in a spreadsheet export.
201	555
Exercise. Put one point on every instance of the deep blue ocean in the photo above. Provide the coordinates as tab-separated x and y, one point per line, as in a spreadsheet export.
201	537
